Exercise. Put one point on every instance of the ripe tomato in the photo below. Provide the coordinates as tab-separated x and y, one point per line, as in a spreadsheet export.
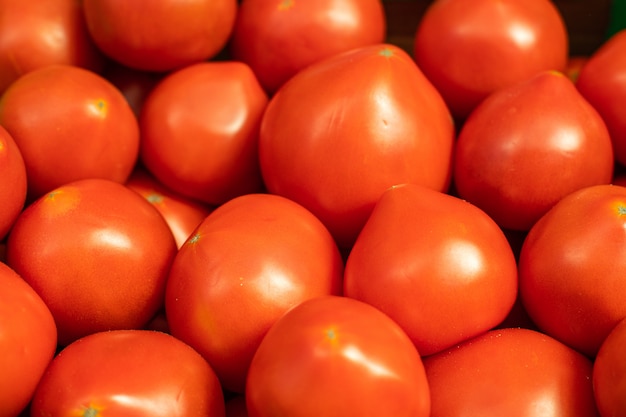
199	129
336	356
278	38
527	146
609	373
28	341
346	128
510	372
83	129
160	35
97	253
131	373
247	263
14	182
469	49
572	267
419	250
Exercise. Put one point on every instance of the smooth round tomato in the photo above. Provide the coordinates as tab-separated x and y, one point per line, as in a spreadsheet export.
70	124
200	128
510	372
469	49
278	38
13	186
572	267
160	35
97	253
336	356
28	341
527	146
439	266
346	128
248	262
133	373
35	34
609	373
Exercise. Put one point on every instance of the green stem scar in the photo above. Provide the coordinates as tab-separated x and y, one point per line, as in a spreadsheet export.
621	210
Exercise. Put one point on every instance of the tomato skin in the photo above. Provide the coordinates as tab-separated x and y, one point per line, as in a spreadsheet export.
609	373
97	253
571	268
336	356
514	143
200	129
468	50
346	128
248	262
165	34
278	38
510	372
28	341
13	186
83	129
417	252
114	373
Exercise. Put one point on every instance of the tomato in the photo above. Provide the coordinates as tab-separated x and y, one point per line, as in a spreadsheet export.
83	129
27	341
602	81
510	372
468	50
134	373
247	263
609	373
35	34
572	267
278	38
419	250
346	128
199	129
527	146
13	186
160	35
97	253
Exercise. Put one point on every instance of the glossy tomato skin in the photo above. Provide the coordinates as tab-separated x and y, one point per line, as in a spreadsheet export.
248	262
470	49
278	38
510	372
160	35
345	129
571	268
602	81
28	341
97	253
13	186
609	373
336	356
527	146
439	266
83	129
134	373
200	129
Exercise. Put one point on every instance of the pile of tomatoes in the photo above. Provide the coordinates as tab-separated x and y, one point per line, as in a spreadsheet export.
264	208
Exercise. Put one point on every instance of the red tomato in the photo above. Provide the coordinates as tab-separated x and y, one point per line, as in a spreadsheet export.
510	372
527	146
34	34
28	341
130	373
609	373
469	49
419	250
602	81
13	185
84	128
97	253
336	356
278	38
199	130
572	267
345	129
248	262
160	35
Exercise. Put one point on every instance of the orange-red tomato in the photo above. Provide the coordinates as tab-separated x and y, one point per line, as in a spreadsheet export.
13	185
609	373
